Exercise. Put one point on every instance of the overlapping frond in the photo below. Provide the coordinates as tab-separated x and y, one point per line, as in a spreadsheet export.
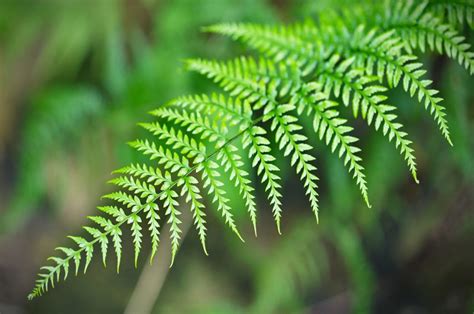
197	142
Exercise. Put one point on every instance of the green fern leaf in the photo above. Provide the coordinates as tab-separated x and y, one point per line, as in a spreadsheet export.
304	68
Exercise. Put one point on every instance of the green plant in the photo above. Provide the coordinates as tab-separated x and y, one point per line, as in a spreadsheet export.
306	70
58	115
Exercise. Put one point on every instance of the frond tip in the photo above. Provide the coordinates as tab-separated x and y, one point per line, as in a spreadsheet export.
197	143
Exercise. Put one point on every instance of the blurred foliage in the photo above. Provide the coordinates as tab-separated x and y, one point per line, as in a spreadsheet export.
61	34
98	68
57	118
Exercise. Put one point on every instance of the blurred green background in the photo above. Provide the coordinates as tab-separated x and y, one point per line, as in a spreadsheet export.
75	78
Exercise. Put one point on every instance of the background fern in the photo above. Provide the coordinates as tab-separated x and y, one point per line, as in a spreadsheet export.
278	103
58	116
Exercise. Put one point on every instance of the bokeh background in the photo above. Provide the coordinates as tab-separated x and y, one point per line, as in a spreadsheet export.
75	78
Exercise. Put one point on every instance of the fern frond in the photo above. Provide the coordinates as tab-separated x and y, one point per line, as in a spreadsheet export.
305	68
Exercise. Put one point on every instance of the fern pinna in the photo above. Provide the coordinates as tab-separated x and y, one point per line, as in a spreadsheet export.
307	69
